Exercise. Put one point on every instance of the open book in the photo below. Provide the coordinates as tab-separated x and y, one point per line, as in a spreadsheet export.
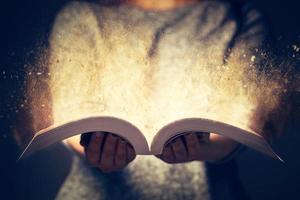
128	131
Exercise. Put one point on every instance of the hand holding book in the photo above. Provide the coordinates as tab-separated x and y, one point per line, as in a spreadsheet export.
109	152
197	146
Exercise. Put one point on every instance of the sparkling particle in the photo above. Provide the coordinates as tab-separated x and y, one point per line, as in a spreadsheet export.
253	58
296	48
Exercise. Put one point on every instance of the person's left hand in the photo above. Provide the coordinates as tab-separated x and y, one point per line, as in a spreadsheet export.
106	151
197	146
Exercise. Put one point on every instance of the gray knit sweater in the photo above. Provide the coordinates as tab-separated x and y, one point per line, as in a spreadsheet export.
211	31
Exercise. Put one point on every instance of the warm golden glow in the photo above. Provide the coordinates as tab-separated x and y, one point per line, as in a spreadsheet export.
124	87
111	76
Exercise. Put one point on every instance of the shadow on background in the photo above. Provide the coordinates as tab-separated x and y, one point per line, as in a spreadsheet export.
40	176
27	23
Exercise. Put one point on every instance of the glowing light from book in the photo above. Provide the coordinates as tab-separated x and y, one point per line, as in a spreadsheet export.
114	78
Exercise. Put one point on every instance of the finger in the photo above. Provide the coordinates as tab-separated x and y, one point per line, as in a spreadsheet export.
193	145
168	155
93	149
203	137
121	157
130	153
179	150
219	147
85	139
108	153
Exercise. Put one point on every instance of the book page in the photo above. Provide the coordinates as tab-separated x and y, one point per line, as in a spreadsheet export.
50	135
248	138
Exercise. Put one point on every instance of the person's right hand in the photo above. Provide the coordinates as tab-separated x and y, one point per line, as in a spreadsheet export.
107	151
197	146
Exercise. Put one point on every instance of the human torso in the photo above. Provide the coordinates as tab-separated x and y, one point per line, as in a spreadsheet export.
152	44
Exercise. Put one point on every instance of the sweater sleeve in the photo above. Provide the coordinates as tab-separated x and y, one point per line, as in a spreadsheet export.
251	41
264	82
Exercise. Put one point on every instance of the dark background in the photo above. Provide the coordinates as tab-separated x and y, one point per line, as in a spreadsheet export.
25	24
